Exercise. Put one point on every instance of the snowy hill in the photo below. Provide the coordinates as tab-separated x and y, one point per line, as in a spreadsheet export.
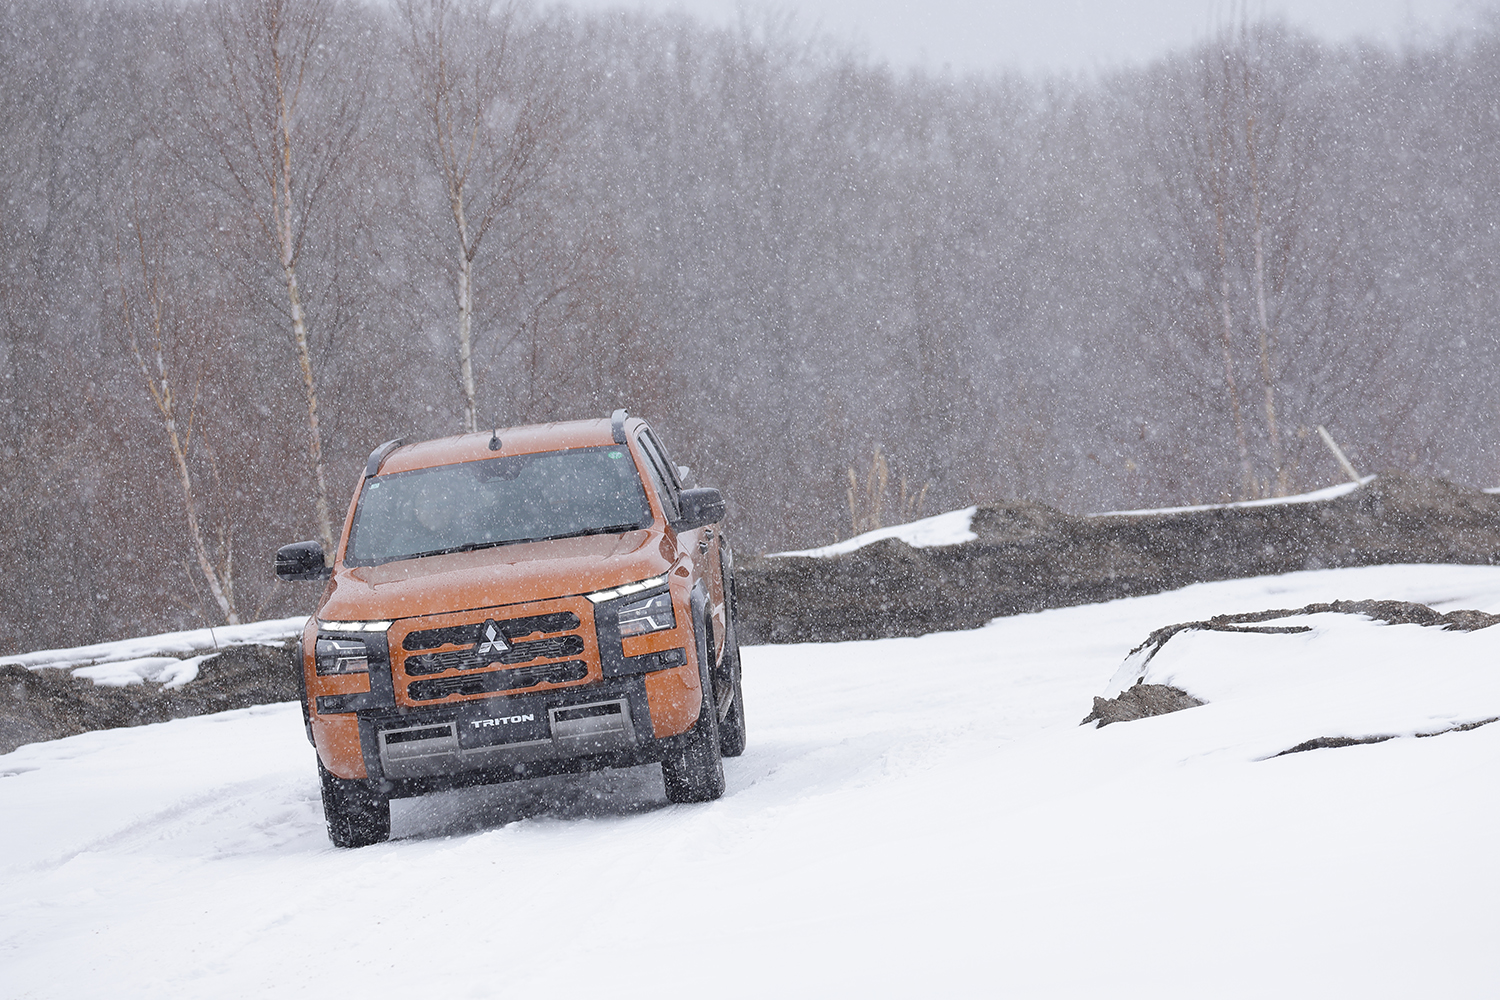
913	817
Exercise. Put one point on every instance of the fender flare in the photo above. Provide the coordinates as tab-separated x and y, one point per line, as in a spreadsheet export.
698	601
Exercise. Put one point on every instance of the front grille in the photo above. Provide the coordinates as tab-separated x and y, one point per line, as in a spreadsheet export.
470	659
467	635
498	680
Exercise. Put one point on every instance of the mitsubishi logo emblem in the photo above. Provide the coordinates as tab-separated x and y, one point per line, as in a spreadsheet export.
491	641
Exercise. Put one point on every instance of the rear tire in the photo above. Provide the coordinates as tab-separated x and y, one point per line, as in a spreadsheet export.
695	773
356	813
732	726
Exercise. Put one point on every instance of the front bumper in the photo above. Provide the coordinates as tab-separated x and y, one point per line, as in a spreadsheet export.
605	724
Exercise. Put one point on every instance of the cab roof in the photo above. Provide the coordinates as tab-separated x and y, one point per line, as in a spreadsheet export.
524	440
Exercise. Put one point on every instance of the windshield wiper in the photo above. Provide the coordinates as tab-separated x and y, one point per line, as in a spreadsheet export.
612	529
465	547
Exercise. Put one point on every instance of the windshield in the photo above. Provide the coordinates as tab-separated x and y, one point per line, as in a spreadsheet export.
519	498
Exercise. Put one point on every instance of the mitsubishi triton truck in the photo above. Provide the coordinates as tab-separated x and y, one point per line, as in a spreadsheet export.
536	600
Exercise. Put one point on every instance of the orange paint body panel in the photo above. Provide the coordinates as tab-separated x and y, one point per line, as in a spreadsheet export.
676	698
337	740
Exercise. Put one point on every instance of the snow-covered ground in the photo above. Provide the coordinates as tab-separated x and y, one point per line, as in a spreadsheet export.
913	817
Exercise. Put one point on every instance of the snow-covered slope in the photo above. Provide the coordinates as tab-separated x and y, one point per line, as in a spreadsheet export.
951	528
914	817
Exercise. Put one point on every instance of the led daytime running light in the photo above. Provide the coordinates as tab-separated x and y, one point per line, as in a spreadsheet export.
600	596
354	626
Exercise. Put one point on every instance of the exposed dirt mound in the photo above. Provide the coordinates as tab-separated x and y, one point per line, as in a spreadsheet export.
1139	702
49	704
1028	557
1333	742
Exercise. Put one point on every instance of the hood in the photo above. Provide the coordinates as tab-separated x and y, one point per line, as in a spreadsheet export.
506	574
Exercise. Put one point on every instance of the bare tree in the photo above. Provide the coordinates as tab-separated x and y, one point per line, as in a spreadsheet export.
494	122
1211	131
1233	168
286	125
175	356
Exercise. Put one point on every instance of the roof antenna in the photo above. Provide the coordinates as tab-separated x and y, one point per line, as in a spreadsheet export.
495	440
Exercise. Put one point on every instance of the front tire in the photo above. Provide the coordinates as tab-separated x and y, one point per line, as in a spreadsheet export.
356	814
695	773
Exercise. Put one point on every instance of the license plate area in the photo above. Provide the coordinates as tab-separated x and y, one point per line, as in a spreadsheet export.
515	735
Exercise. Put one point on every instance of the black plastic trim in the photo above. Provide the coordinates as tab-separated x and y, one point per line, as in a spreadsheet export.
338	704
372	464
731	614
302	561
648	662
418	734
617	426
612	661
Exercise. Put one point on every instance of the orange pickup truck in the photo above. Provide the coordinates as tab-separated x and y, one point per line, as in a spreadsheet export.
536	600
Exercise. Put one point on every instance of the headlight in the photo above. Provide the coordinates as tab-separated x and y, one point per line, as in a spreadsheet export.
343	656
650	614
344	653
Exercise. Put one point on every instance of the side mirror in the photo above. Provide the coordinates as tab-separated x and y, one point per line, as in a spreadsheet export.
699	507
302	561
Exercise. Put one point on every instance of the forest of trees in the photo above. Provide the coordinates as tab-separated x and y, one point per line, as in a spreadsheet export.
244	242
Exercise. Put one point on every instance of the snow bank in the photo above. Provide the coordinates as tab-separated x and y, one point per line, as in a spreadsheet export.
145	658
951	528
168	671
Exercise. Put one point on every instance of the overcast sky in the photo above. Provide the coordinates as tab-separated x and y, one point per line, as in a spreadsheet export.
1070	35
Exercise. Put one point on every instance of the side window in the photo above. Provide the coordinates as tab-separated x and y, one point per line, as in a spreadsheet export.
651	441
657	468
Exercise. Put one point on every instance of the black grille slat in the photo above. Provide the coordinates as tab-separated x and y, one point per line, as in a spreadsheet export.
436	663
515	628
469	659
458	635
498	680
557	621
551	649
